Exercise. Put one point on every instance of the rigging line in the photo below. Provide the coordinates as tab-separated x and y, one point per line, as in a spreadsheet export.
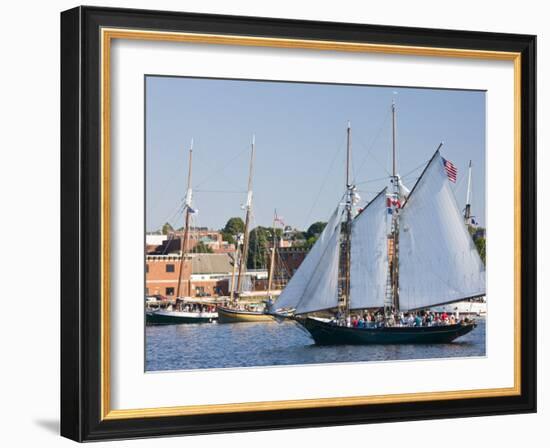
173	214
221	191
168	186
221	167
370	147
378	179
336	154
415	169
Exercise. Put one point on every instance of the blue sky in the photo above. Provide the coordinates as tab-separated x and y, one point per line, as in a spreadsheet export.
300	134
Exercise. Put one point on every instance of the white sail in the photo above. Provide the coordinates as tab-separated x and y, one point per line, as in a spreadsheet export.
321	291
296	287
438	261
369	255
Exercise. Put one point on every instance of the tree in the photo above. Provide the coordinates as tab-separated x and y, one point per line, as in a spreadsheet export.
315	229
480	246
308	238
202	248
233	227
167	228
258	245
478	235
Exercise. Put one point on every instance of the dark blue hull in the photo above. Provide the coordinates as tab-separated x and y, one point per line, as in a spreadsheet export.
326	333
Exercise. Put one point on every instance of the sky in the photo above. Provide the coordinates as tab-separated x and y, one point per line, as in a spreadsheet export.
300	134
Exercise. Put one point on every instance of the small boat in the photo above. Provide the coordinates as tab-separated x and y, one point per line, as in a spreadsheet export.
228	315
476	307
402	254
160	317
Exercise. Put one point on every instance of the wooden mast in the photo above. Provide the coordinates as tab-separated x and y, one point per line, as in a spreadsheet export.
395	219
235	261
184	244
347	227
272	260
244	251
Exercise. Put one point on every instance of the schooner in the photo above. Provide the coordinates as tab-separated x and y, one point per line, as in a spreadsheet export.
186	310
404	252
233	311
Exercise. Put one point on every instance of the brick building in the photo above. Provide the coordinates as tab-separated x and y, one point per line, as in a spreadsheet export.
287	262
202	275
211	238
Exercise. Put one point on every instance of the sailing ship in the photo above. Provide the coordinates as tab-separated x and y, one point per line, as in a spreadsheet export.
237	310
403	253
186	309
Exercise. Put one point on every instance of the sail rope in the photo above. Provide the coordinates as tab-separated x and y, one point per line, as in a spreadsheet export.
370	146
220	168
322	186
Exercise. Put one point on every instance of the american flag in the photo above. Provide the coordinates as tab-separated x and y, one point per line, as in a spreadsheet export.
279	219
450	169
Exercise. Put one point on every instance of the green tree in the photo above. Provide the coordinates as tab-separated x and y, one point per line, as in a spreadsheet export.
167	228
480	246
478	235
202	248
233	227
258	247
315	229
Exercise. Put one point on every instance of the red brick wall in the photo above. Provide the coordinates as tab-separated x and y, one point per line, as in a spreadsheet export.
159	281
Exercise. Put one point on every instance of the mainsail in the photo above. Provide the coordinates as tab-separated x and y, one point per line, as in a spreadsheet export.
369	255
438	261
314	286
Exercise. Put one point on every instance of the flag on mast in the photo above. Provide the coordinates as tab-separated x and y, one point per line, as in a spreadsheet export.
450	169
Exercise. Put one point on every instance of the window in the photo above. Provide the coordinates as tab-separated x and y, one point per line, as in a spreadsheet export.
147	269
170	268
170	291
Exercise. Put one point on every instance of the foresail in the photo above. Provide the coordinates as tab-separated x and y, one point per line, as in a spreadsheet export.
369	255
321	291
438	261
296	287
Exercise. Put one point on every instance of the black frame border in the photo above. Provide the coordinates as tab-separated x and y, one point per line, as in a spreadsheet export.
81	223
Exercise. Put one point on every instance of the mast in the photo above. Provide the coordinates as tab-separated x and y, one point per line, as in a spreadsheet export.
394	266
188	198
467	209
235	261
347	229
272	261
244	251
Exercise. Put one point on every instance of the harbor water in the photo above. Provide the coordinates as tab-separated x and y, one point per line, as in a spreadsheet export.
210	346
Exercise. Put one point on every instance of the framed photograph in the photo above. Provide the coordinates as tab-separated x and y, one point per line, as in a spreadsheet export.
272	223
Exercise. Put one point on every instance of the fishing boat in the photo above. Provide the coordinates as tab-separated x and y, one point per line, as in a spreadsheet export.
185	310
237	309
403	253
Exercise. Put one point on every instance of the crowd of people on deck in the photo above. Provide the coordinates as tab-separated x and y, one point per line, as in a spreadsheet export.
380	319
198	308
